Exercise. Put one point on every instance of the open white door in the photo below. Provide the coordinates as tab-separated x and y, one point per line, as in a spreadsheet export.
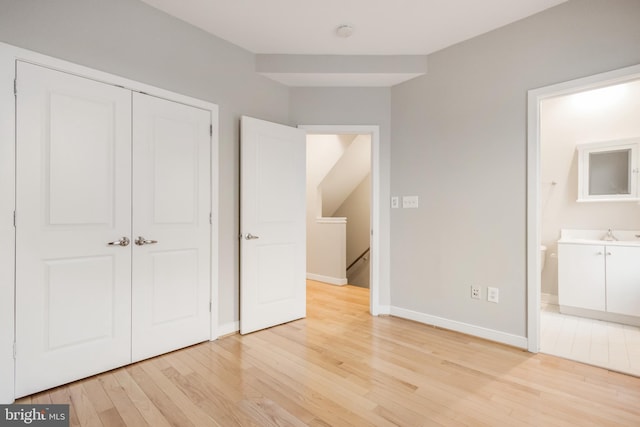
272	224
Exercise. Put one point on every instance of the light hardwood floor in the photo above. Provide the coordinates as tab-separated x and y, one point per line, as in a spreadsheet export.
342	367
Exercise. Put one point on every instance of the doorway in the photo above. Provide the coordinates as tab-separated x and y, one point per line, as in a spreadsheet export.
338	209
373	134
546	192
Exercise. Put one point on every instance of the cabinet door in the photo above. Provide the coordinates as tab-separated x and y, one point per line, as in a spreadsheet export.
73	289
623	280
581	276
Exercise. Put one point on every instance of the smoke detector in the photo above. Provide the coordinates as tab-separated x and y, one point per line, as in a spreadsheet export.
344	31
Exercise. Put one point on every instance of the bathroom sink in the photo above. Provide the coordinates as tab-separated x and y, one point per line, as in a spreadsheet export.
601	237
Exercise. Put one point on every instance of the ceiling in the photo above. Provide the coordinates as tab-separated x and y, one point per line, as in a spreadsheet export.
380	27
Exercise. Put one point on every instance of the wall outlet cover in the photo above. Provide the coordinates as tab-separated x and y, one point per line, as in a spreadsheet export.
475	292
409	202
395	202
493	294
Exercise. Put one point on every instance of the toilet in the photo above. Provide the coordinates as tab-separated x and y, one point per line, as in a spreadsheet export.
543	253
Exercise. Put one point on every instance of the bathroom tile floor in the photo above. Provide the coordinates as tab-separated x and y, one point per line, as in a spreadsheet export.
609	345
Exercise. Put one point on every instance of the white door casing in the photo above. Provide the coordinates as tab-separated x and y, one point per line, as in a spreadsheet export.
272	224
379	265
73	290
171	198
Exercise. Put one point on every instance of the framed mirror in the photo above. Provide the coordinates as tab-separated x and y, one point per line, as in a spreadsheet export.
608	171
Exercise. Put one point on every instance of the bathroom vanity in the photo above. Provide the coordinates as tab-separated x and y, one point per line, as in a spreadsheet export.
600	278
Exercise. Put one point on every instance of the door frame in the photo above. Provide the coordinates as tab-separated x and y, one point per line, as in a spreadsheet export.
534	98
8	56
376	261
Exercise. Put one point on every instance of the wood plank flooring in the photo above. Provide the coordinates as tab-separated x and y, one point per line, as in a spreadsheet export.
342	367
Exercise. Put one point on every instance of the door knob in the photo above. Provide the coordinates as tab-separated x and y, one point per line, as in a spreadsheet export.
140	241
122	242
250	236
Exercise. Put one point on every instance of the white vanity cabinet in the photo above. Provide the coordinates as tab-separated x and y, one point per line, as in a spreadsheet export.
599	277
623	280
581	276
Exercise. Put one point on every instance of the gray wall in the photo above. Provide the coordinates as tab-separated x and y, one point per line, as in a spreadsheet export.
131	39
356	208
459	142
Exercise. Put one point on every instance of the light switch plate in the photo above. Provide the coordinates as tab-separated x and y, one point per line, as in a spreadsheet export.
409	202
493	294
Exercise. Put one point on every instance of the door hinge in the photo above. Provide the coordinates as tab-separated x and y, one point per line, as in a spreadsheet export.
210	130
15	87
210	218
14	219
210	305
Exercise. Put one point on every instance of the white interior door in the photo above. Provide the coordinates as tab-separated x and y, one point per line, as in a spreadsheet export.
171	230
272	225
73	290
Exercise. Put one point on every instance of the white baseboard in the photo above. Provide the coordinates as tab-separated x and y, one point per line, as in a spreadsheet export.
600	315
228	328
327	279
549	298
384	310
465	328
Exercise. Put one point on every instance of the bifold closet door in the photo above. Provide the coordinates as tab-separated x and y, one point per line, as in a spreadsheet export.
73	197
171	229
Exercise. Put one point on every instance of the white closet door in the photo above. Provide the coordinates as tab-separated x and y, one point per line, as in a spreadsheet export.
171	197
73	290
272	223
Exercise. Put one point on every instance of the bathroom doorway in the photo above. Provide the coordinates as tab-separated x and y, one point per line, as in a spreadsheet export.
598	108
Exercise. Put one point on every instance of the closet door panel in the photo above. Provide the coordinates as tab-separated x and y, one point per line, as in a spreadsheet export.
171	196
73	196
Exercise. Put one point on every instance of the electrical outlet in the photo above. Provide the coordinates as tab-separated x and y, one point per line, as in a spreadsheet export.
475	292
409	202
493	294
395	202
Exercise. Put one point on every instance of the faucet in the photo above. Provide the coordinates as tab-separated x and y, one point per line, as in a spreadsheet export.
609	237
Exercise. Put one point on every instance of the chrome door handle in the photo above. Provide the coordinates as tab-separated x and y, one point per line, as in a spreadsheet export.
140	241
122	242
250	236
